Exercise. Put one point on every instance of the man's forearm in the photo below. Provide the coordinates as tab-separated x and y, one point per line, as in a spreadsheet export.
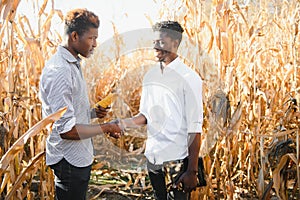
194	148
134	122
82	131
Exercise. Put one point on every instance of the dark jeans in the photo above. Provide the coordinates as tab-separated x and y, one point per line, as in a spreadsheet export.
71	182
157	176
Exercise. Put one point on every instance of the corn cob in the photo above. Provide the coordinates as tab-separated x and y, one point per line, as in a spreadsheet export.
106	101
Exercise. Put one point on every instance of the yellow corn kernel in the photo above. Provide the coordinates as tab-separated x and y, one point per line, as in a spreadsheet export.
106	101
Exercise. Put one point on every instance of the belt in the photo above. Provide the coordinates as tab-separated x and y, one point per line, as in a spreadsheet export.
155	167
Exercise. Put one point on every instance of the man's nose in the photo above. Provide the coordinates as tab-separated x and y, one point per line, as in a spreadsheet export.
95	43
157	45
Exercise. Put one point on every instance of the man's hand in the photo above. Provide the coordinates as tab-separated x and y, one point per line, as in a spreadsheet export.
188	180
100	111
113	128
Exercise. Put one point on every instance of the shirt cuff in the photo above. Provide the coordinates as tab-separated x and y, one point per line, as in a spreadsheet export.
145	115
65	126
93	113
195	127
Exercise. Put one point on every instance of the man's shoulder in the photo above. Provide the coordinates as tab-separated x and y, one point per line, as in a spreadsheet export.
152	69
185	68
188	71
56	65
55	58
61	57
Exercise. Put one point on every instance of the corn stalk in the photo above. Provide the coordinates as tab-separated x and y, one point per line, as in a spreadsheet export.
248	57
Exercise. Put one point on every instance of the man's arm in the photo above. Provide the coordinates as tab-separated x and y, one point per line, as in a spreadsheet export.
194	148
134	122
81	131
189	177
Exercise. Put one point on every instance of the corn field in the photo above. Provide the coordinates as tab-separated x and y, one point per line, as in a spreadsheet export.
247	54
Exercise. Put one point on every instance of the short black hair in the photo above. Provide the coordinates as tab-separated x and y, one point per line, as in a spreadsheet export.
172	28
80	20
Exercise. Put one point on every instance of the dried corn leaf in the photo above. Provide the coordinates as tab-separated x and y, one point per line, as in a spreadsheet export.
36	129
23	20
6	5
210	43
42	9
13	10
46	26
30	169
5	182
236	119
10	10
230	46
276	172
60	15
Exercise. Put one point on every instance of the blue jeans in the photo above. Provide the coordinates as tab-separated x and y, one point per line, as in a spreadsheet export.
71	183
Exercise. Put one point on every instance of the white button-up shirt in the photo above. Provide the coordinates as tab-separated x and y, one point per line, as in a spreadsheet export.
62	84
171	101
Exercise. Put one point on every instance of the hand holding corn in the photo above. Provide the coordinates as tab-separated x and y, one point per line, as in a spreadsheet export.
106	101
101	108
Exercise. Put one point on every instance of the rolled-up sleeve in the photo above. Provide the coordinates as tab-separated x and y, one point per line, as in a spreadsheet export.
193	103
59	95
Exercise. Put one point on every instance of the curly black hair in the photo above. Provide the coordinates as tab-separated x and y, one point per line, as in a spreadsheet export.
172	28
80	20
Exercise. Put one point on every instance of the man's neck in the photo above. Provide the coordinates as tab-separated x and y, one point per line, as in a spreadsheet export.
66	46
169	59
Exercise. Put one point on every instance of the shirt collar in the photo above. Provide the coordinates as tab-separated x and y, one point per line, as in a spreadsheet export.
67	55
174	64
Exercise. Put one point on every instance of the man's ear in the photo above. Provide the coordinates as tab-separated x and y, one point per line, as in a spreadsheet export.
74	36
176	43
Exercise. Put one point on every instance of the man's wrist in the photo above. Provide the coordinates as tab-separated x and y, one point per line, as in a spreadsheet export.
93	113
193	171
122	124
104	128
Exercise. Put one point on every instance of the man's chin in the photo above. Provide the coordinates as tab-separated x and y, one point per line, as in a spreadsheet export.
159	59
86	55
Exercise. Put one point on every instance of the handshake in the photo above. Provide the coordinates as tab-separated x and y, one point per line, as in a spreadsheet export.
114	128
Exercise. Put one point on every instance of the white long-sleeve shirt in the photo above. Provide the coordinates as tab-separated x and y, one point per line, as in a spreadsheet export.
171	101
